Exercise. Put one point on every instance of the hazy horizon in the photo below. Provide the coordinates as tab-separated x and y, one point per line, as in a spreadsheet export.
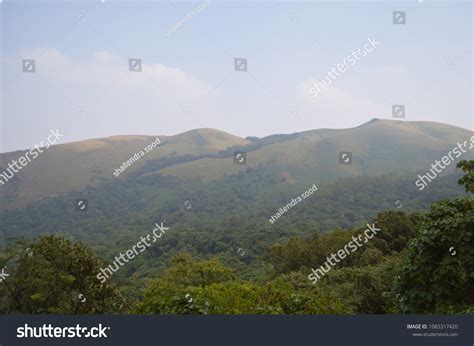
83	87
230	133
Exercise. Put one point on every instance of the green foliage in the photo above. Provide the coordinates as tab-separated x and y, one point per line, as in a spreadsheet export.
165	295
468	179
396	229
432	279
365	289
437	273
49	275
228	213
408	267
212	289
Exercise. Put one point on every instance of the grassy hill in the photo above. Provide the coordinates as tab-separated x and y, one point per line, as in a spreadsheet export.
73	166
378	147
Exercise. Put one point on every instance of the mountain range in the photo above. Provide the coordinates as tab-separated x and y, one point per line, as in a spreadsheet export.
215	202
378	147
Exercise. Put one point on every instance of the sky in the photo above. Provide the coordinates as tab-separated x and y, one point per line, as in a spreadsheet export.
83	87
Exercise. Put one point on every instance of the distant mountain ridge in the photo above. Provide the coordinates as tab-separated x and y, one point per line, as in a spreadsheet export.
378	147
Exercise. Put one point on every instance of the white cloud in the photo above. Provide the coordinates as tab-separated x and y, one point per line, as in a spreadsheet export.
98	96
104	69
336	107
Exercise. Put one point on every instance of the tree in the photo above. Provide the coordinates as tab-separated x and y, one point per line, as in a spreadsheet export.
53	275
169	293
437	274
468	179
397	228
207	287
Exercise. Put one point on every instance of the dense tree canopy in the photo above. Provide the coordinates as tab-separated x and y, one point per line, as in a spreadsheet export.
417	263
53	275
437	275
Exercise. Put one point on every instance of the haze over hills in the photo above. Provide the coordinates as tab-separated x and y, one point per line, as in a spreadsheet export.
378	147
214	205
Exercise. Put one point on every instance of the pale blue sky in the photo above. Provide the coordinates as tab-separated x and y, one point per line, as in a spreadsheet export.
82	85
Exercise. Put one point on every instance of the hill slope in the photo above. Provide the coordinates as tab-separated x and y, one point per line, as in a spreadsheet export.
73	166
378	147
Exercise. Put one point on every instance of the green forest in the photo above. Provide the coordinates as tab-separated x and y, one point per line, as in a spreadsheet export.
420	262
